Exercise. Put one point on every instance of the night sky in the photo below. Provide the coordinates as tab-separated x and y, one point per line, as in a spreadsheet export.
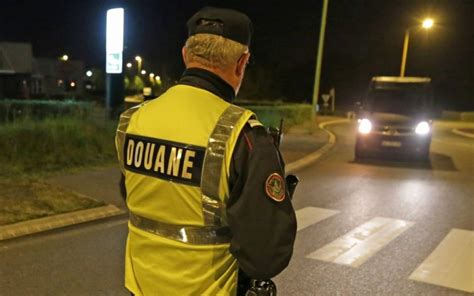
363	38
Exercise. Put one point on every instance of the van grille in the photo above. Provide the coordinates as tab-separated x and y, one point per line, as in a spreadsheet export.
391	130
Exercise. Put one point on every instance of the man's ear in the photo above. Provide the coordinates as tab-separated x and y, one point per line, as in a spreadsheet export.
242	63
183	53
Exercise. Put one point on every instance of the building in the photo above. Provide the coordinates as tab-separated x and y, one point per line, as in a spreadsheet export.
58	78
16	68
23	76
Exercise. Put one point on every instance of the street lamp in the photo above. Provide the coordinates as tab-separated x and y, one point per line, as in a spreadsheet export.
139	61
427	24
89	73
129	65
64	58
143	72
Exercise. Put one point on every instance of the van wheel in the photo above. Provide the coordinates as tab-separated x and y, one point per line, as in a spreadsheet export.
359	154
424	156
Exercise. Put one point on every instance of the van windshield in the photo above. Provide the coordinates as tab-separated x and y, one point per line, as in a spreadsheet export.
398	100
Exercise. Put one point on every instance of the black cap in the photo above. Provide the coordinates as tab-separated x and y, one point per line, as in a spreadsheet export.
227	23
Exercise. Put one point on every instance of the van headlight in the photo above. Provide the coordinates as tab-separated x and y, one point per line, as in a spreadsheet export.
365	126
422	128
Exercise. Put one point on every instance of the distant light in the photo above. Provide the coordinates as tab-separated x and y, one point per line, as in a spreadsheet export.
152	75
143	72
114	42
422	128
157	78
365	126
89	73
65	57
147	91
428	23
72	84
138	58
129	65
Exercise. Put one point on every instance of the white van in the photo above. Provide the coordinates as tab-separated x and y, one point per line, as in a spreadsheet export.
396	118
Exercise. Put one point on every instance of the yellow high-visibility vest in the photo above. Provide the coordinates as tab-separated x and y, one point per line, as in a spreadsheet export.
175	153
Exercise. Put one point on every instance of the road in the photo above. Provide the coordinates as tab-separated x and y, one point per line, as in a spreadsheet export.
427	202
394	215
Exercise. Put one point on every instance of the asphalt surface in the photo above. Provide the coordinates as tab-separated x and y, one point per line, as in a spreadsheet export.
87	259
436	198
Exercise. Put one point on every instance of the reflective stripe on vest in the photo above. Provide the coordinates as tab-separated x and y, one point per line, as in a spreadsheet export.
195	235
121	132
212	206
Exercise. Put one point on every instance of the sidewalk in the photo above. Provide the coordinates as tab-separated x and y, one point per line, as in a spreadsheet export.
103	183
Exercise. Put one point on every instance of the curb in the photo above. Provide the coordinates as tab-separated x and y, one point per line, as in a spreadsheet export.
306	160
461	133
56	221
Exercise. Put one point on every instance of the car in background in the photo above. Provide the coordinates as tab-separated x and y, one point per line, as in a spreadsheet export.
396	118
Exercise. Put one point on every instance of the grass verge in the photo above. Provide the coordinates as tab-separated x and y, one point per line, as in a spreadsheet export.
31	150
27	199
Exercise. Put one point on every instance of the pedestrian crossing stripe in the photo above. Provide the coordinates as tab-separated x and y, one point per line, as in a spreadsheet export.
312	215
358	245
451	264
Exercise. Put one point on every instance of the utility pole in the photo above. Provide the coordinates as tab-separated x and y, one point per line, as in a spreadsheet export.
406	39
319	59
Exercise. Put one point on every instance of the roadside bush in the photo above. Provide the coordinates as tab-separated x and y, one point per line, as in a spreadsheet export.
13	110
270	115
35	146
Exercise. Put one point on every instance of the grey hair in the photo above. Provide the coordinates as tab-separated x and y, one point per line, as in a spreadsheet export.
213	51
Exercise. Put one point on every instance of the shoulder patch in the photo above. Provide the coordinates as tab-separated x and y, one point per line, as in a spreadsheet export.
254	123
275	187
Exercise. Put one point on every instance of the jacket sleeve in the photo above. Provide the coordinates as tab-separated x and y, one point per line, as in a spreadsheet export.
123	189
263	229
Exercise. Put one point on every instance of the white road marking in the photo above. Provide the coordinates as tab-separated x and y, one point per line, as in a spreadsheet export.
311	215
358	245
451	264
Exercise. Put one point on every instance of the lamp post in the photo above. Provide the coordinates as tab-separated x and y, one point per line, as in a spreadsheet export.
319	58
139	62
427	24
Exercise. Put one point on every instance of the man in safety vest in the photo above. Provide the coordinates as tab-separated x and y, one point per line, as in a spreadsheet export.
204	180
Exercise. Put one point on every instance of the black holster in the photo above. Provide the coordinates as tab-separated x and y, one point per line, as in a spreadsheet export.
251	287
261	288
291	183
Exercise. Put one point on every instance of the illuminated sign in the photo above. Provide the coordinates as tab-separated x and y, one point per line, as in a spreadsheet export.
114	43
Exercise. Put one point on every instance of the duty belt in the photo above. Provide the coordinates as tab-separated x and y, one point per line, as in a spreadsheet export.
195	235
